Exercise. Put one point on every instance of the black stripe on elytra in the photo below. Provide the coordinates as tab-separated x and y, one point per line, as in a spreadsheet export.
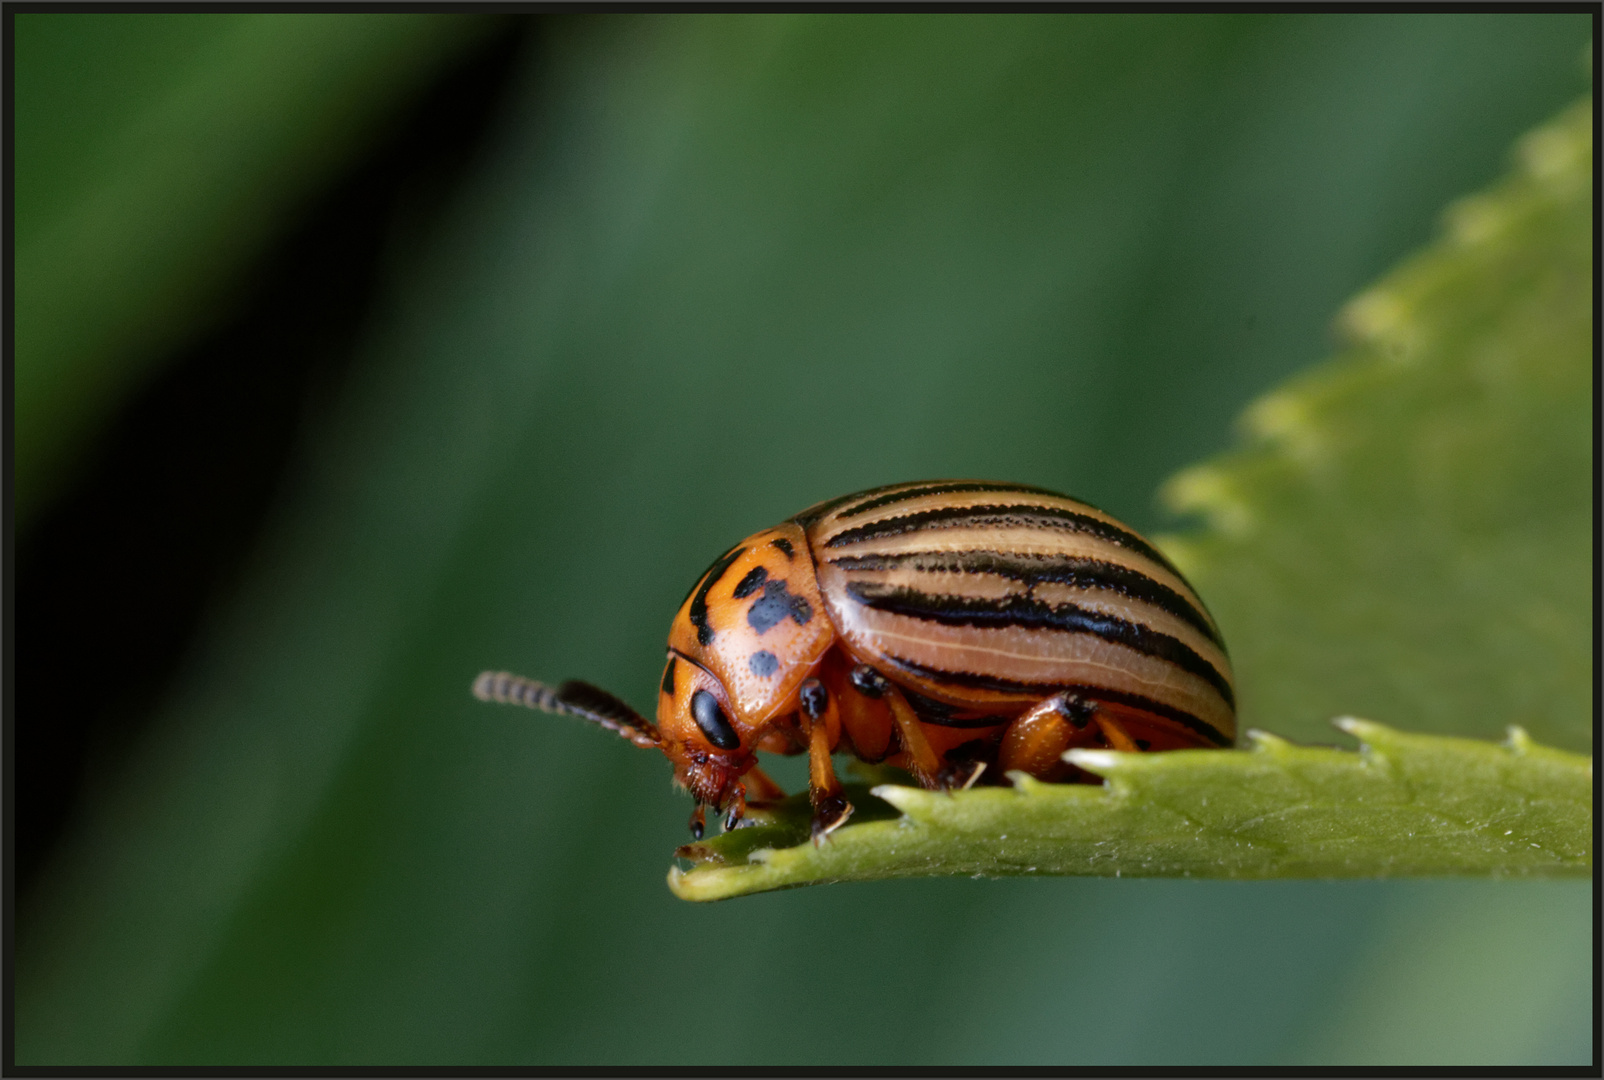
943	487
704	629
784	545
1012	686
818	510
939	713
1031	614
1032	569
982	517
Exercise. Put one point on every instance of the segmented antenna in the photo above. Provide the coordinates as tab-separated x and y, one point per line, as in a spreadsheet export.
572	698
505	688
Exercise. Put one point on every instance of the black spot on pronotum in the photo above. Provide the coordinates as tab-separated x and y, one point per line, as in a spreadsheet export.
775	605
668	677
763	663
784	545
698	612
750	583
711	719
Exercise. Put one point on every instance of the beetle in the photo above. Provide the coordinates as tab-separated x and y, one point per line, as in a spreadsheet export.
957	629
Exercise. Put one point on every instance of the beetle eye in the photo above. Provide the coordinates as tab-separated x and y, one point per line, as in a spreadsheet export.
711	719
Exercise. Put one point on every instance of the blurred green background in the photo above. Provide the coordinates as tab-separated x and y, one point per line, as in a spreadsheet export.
692	274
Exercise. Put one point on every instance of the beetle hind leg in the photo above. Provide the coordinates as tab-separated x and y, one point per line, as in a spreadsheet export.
1115	732
1035	742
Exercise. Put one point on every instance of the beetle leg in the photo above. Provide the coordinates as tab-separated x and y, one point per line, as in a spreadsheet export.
1035	742
698	822
925	762
736	809
760	787
960	774
830	807
1116	735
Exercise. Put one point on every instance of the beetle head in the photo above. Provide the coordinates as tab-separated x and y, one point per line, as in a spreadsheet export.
701	733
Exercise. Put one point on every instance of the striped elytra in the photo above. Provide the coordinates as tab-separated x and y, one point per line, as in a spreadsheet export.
958	629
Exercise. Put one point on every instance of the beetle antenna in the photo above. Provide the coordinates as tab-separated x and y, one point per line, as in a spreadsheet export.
572	698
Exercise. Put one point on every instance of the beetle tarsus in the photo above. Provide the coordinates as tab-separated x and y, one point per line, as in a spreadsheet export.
1074	708
829	814
736	811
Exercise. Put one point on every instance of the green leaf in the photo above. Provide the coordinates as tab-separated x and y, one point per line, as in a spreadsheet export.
1411	535
1403	804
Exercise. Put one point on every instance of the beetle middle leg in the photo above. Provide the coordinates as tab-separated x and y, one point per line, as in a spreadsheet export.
830	807
923	761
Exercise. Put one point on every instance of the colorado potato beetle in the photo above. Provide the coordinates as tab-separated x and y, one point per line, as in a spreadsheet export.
956	629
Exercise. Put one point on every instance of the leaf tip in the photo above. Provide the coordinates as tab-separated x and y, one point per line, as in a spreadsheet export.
897	795
1553	150
1366	731
1210	491
1517	741
1101	762
1283	417
1475	218
1378	316
1024	783
1262	741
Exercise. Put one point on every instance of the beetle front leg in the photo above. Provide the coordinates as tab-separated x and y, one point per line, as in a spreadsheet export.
756	788
830	807
735	808
760	787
